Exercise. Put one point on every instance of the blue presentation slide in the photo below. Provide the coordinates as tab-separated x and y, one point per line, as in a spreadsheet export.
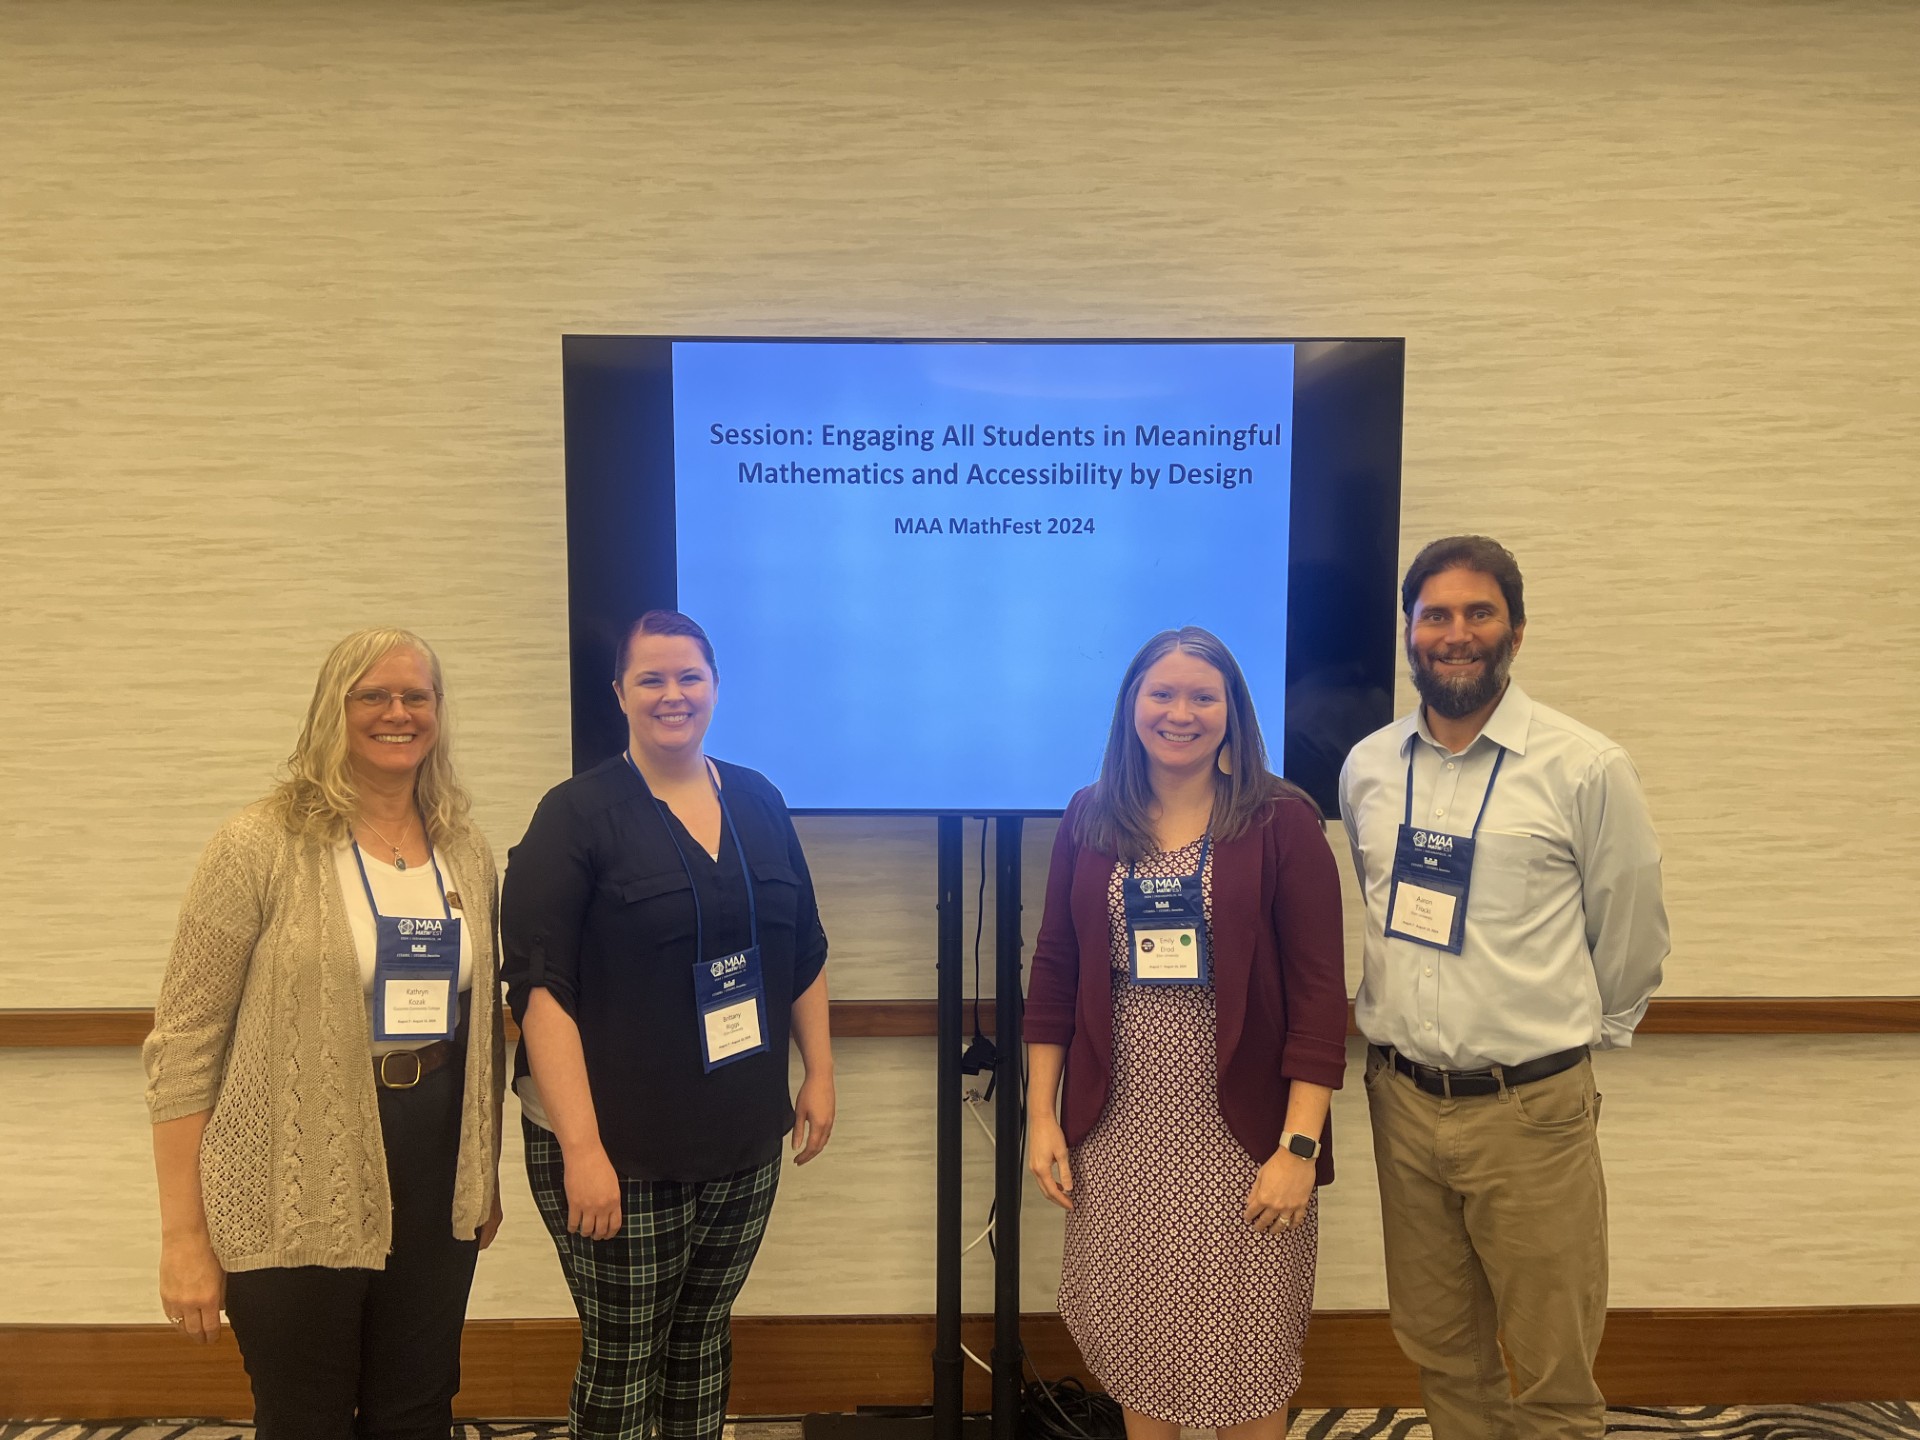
924	566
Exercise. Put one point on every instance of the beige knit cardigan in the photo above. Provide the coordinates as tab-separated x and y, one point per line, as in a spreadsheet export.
262	1019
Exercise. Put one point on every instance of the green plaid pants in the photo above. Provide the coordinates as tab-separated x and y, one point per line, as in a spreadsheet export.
655	1301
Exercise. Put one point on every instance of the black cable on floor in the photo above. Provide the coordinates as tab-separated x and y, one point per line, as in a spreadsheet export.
1065	1410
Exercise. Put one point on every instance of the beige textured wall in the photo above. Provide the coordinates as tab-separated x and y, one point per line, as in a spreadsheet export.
1710	1145
280	296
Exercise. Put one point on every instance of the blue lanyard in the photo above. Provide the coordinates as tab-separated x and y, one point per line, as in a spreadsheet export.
1498	761
368	885
746	874
1206	843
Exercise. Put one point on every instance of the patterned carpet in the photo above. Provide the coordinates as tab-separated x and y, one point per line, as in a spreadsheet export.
1889	1421
1878	1421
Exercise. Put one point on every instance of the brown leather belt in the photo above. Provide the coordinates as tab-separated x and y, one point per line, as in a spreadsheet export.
1452	1084
402	1069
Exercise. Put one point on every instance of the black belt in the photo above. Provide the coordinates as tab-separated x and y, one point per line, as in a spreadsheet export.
402	1069
1451	1084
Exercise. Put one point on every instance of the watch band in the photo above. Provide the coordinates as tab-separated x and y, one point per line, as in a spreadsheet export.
1305	1146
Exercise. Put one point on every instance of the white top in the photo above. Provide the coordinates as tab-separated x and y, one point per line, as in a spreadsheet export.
1565	929
530	1103
411	892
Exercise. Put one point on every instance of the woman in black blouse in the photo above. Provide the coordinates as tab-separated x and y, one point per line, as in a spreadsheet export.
661	943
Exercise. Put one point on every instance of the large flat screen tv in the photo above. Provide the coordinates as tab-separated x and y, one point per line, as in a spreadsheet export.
924	564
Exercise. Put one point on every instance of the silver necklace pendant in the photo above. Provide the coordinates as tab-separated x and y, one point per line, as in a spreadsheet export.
399	861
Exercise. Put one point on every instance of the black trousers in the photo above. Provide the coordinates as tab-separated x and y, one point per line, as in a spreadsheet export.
371	1354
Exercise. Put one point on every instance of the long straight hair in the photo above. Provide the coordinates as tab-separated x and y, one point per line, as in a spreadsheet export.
1117	818
318	797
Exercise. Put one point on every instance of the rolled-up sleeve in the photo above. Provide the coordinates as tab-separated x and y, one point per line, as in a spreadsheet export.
543	907
810	936
1621	890
186	1051
1054	986
1307	924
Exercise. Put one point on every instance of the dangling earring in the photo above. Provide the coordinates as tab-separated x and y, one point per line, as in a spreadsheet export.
1223	760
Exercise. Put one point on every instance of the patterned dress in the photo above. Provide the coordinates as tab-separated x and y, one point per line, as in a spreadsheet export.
1183	1311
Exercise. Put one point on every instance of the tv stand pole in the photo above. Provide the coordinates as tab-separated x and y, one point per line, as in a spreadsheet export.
949	1365
1009	1116
946	1420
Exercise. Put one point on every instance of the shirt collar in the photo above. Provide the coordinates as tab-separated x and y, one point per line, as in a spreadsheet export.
1507	727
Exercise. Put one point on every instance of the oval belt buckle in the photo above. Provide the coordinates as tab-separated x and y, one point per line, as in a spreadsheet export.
408	1084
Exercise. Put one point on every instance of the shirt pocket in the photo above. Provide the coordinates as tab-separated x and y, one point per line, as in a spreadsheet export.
776	895
1506	868
656	909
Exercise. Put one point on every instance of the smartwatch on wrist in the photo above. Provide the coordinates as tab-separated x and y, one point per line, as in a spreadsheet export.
1305	1146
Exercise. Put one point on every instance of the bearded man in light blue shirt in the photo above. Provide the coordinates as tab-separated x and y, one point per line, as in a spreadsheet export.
1514	923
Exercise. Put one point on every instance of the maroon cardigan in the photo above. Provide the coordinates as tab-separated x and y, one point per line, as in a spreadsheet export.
1278	972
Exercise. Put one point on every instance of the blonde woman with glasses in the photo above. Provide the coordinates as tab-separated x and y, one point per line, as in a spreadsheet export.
325	1069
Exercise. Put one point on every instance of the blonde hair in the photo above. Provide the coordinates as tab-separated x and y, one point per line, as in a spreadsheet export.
318	796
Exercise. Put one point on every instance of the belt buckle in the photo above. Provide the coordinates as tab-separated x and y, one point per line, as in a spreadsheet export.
392	1084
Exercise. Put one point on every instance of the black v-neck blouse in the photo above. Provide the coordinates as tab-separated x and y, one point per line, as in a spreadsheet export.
598	910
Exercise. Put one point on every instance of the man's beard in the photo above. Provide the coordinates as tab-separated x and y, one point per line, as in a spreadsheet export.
1458	698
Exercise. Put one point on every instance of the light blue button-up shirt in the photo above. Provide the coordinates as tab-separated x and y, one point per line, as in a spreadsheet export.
1565	929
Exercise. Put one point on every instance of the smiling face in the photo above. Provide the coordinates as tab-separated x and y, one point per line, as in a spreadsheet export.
390	739
1460	642
1180	713
666	693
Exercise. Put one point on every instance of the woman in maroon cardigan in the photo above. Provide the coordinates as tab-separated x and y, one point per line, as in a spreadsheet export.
1189	983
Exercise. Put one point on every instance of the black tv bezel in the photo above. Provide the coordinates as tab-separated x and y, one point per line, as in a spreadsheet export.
1343	551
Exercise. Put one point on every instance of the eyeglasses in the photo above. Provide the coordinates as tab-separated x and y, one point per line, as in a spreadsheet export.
375	700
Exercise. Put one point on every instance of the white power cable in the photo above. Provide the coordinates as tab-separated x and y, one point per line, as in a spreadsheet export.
974	1102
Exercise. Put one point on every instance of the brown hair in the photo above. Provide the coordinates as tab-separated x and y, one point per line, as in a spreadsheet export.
1116	818
662	622
1467	552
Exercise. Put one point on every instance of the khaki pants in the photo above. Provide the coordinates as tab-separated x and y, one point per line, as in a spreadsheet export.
1495	1214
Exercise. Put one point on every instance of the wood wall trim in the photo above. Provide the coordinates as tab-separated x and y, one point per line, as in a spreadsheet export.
868	1019
73	1028
1784	1015
785	1365
860	1019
